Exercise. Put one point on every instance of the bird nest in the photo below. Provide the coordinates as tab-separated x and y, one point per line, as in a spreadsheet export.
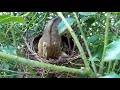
68	46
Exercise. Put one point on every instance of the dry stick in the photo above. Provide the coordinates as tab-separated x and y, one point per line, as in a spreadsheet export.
68	59
69	44
73	50
33	53
32	63
74	58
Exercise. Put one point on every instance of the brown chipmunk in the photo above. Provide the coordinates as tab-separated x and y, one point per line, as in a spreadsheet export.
49	45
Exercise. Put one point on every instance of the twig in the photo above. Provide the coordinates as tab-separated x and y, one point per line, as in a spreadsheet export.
14	71
73	49
33	53
67	59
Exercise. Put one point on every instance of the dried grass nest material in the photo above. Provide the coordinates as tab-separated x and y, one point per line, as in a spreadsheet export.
32	49
75	61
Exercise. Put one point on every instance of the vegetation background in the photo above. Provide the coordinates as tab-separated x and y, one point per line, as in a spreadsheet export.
99	31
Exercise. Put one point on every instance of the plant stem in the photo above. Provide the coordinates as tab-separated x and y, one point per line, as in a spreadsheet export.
83	36
109	66
25	15
31	21
13	35
14	38
40	20
114	65
6	70
34	63
34	21
75	39
46	14
105	42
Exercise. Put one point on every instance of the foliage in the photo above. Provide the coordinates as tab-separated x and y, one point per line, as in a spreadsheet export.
62	27
113	51
111	76
15	25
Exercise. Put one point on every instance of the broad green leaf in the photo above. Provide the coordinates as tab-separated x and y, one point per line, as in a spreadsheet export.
12	19
113	51
97	52
111	76
62	27
9	49
84	19
1	47
94	58
115	12
90	21
117	23
92	39
112	36
4	16
87	13
6	66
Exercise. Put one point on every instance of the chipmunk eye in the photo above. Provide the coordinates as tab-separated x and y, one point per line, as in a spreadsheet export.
45	54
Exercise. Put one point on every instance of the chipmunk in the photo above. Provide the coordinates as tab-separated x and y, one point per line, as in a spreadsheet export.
49	45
